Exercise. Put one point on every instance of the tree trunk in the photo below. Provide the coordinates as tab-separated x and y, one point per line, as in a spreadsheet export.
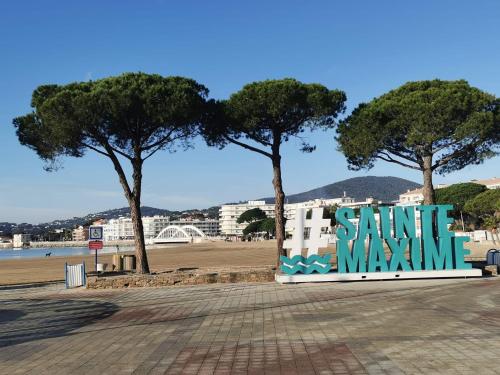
428	189
279	207
142	265
134	201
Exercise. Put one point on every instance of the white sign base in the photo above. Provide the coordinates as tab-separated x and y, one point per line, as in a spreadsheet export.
361	276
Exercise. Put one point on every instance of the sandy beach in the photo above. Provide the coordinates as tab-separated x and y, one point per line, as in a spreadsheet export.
209	254
203	255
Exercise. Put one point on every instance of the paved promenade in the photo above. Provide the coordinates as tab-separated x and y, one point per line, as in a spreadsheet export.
402	327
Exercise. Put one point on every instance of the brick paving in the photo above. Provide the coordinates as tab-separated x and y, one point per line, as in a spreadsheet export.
396	327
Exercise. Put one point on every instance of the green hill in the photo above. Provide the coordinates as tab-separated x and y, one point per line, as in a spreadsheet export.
383	188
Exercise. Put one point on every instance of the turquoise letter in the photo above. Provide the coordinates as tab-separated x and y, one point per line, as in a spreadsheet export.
347	262
367	224
385	221
460	253
443	220
398	254
437	257
404	221
415	254
376	256
426	220
347	231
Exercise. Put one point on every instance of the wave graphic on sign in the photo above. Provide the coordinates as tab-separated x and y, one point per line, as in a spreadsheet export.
300	264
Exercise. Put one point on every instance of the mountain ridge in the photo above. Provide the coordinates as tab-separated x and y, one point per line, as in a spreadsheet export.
385	188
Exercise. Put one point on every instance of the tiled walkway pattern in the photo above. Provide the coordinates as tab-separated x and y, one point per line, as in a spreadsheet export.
413	327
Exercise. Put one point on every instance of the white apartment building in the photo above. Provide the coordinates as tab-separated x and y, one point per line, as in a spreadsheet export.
118	229
416	196
208	226
20	240
153	225
411	197
80	233
490	183
229	213
122	228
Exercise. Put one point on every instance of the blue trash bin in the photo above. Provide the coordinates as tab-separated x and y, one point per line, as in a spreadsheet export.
490	256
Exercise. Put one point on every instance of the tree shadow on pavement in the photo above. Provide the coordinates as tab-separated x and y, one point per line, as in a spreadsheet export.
8	315
23	320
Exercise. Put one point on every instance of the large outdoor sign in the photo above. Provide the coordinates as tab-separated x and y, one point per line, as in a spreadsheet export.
417	237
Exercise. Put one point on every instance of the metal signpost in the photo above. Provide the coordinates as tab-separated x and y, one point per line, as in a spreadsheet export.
96	236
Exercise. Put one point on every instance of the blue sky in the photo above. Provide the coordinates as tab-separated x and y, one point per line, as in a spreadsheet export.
362	47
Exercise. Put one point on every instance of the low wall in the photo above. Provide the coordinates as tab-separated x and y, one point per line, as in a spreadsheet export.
180	277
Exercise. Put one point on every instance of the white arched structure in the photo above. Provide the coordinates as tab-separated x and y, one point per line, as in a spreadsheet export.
177	233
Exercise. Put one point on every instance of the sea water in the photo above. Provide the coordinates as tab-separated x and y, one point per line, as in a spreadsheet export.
41	252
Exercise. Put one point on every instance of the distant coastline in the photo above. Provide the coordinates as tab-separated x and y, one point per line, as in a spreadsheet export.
51	244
